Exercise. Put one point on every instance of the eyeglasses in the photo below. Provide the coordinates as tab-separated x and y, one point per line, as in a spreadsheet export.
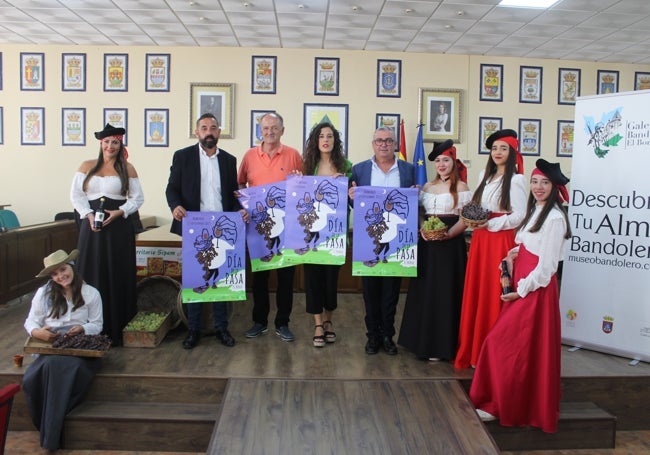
387	141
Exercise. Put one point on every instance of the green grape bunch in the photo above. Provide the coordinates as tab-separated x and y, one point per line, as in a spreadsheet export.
433	223
473	211
146	322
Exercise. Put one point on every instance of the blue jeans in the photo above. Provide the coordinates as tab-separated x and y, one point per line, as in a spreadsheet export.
219	313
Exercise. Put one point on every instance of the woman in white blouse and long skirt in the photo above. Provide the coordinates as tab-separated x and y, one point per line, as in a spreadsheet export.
107	255
432	309
54	384
517	377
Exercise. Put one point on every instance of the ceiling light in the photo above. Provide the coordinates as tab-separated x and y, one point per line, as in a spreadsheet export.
408	10
460	13
528	3
356	8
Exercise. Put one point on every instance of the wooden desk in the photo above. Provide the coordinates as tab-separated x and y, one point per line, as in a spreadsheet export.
22	251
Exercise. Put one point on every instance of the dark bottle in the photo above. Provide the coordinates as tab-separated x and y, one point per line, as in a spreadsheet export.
506	280
99	215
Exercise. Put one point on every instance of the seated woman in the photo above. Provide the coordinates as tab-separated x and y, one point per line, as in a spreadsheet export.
54	384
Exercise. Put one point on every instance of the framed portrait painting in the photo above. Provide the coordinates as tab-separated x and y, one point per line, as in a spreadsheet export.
440	112
565	138
530	84
256	126
530	136
116	72
389	78
568	85
32	71
491	82
32	126
607	82
336	114
157	72
641	81
391	121
73	72
118	117
219	100
263	74
156	127
487	126
326	76
73	126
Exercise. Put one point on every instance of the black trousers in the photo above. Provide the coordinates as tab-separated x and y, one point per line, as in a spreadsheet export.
321	287
380	296
283	296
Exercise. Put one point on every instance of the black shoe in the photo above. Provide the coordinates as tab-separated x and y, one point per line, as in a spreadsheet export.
372	346
389	346
192	339
225	337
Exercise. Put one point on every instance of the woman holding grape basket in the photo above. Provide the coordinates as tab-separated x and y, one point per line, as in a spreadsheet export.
432	310
502	193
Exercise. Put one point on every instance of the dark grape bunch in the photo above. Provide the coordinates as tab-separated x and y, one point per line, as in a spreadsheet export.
81	341
473	211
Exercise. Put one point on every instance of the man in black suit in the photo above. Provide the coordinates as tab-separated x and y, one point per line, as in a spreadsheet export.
203	178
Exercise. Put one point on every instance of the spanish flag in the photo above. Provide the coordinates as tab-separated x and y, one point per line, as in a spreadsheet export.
402	142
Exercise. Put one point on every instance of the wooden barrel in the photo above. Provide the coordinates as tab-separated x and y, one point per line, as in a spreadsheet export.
159	294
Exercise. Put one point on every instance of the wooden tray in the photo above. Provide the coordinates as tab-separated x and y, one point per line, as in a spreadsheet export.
35	346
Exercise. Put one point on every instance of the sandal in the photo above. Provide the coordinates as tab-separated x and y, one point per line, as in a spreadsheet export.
319	340
330	337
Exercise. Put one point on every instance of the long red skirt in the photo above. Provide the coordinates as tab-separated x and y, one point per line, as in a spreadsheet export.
517	378
482	292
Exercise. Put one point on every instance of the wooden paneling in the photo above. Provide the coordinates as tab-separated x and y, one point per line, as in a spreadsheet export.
22	251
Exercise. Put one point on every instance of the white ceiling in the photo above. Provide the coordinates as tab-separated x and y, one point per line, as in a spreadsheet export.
616	31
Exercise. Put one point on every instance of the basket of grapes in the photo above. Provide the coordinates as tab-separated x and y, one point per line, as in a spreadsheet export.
146	329
433	228
473	215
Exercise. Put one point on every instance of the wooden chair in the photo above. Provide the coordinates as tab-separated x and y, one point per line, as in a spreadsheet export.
6	400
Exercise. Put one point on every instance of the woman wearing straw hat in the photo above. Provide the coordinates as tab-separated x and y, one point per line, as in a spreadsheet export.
517	377
54	384
107	255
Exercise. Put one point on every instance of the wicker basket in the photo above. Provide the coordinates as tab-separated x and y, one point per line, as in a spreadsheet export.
433	234
473	223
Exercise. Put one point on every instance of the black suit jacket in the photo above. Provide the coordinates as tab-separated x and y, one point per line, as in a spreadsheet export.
184	185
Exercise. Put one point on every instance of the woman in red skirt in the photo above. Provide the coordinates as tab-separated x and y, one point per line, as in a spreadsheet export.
502	191
517	378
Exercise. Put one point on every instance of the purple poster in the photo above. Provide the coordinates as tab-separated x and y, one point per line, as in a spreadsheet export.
214	257
265	231
385	231
317	220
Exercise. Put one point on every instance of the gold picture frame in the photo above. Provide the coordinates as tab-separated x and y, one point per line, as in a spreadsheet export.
216	98
441	113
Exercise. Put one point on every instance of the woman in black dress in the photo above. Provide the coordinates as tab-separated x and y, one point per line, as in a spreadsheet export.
432	311
107	255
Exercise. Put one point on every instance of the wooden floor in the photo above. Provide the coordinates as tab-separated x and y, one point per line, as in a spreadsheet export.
269	358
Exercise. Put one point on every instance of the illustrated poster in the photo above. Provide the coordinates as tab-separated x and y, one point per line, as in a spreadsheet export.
385	231
214	257
317	220
266	205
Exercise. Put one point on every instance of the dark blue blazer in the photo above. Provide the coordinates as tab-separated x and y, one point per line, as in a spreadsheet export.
361	173
184	185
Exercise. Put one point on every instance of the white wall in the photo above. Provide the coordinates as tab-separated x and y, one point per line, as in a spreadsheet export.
36	179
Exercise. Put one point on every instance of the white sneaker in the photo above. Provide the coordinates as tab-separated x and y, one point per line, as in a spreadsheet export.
485	416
